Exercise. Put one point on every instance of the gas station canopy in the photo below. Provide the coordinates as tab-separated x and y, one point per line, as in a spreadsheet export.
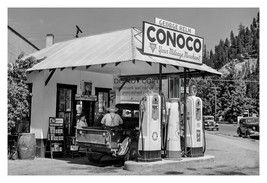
118	53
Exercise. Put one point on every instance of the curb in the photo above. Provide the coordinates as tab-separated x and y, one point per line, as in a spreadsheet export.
165	164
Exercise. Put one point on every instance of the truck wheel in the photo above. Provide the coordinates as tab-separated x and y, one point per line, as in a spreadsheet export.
132	152
247	134
239	132
95	158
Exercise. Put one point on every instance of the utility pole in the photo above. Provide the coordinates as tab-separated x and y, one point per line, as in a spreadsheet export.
215	101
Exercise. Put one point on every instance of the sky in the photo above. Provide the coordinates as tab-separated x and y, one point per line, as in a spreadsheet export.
212	24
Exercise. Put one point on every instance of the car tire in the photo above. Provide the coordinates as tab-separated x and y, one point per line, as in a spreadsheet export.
217	129
95	158
132	152
239	132
247	134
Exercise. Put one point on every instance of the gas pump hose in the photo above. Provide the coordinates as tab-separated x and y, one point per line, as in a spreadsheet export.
166	130
204	138
141	127
165	125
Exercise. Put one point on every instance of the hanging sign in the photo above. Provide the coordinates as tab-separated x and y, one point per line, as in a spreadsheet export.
174	26
86	97
167	43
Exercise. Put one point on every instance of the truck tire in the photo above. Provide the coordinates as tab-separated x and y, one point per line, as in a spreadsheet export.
95	158
132	152
239	132
247	134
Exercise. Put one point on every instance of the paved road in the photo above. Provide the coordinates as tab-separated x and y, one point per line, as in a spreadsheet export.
233	156
228	130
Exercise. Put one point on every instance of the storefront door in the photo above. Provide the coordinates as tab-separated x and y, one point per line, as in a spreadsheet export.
87	107
66	106
103	97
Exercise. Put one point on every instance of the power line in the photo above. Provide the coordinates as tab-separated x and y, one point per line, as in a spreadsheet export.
225	80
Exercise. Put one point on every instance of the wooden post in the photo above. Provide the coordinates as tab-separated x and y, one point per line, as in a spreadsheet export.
160	78
185	113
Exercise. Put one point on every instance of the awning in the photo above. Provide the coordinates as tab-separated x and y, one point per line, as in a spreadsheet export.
118	53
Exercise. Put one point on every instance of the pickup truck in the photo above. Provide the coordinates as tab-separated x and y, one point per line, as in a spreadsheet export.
121	142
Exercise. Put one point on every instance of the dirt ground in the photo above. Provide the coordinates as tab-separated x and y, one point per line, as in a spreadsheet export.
233	156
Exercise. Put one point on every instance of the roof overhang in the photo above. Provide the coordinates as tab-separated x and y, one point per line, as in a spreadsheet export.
117	53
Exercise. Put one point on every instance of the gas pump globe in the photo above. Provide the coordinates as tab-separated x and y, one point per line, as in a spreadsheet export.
194	130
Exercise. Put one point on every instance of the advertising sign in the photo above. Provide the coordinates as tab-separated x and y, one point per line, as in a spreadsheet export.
175	26
167	43
133	90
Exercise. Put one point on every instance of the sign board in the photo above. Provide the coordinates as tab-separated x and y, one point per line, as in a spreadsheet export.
86	97
175	26
167	43
134	89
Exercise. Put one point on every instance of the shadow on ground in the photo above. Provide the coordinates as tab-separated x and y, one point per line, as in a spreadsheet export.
83	160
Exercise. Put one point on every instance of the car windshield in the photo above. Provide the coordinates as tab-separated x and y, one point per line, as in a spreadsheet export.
252	121
127	113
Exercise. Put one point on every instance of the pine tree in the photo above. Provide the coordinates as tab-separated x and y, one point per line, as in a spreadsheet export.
226	49
233	46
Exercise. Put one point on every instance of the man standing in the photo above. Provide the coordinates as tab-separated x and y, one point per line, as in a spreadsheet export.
111	119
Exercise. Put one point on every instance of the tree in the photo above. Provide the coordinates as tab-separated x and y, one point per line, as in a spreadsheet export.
233	46
18	93
226	49
205	92
231	95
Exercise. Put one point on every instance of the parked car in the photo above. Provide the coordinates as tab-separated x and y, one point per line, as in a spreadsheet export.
115	142
209	123
248	127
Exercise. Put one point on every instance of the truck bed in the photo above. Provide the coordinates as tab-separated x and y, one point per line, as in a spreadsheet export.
92	136
97	137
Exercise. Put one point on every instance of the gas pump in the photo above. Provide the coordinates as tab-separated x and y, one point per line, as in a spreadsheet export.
149	144
195	138
173	147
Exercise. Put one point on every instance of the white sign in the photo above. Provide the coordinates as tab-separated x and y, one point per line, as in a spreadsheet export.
134	89
175	26
162	42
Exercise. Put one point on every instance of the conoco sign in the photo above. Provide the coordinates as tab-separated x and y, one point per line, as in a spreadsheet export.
167	43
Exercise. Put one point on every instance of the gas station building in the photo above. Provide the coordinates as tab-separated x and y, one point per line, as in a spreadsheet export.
111	67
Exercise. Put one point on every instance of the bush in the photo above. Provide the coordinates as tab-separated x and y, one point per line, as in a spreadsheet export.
18	92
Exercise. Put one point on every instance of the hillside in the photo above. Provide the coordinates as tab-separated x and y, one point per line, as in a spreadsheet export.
240	65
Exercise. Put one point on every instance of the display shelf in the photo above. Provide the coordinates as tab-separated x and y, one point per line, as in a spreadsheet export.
55	136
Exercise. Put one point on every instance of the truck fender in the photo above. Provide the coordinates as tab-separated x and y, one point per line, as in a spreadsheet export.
124	146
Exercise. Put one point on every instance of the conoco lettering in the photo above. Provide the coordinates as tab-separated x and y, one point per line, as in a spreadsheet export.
190	48
163	39
171	38
164	36
199	47
180	37
148	33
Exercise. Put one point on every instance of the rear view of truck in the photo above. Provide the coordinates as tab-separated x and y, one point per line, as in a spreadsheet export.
117	142
98	142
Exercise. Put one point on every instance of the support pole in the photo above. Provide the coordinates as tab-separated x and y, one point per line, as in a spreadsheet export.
160	78
185	114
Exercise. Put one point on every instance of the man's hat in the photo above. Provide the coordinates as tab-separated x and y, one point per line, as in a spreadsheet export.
112	109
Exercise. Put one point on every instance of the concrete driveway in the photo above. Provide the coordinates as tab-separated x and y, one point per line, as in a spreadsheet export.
233	156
